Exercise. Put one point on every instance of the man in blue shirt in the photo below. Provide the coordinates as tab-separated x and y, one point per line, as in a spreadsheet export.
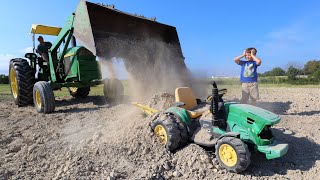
249	75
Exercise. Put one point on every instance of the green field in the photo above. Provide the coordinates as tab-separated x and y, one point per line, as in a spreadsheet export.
228	83
5	92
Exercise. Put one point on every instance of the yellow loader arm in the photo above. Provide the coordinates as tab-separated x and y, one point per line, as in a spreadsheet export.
148	110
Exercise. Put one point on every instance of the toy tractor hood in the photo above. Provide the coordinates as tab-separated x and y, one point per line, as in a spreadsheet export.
95	26
259	115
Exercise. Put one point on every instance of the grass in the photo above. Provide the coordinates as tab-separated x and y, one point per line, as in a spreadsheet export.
232	83
5	92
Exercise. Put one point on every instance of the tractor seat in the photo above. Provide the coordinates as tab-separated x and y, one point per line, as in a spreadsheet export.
185	95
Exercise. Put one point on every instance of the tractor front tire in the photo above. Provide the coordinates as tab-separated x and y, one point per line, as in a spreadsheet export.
113	90
169	132
21	77
233	154
43	97
79	92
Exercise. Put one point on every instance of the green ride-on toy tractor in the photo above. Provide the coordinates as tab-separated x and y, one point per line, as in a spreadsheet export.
33	78
229	127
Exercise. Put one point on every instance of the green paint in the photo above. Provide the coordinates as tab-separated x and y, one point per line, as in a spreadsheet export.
274	150
181	113
249	121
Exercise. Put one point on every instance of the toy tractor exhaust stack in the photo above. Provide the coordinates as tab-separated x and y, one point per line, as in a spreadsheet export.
94	24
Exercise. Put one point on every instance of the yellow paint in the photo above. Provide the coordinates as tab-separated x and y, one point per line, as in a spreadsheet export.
148	110
46	30
68	55
185	95
228	155
73	89
13	81
38	99
195	114
160	131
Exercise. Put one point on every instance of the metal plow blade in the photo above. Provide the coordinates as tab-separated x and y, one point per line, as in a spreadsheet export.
97	27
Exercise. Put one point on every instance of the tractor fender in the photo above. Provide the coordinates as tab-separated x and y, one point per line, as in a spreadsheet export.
180	113
229	134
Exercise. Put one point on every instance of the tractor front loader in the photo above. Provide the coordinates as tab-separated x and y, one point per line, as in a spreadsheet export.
75	67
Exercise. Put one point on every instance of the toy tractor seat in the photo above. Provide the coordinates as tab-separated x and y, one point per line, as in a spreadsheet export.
186	95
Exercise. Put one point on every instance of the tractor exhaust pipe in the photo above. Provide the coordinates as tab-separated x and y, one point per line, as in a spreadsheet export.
218	113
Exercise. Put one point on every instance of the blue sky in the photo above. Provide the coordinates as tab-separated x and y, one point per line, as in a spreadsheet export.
211	32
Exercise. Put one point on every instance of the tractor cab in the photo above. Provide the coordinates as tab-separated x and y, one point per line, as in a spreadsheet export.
37	58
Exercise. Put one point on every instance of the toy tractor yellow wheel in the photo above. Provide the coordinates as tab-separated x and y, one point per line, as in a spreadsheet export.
233	154
113	90
169	132
21	78
43	97
79	92
160	132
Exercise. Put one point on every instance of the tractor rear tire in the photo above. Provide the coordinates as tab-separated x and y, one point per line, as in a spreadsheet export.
169	132
79	92
21	77
233	154
43	97
113	90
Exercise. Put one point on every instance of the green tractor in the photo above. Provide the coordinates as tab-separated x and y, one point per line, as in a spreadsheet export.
33	78
228	127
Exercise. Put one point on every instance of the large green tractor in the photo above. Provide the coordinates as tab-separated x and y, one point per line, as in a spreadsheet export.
96	28
228	127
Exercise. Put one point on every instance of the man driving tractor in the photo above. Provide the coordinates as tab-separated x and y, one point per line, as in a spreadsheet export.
43	48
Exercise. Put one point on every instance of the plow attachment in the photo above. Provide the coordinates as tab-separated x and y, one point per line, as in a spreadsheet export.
97	27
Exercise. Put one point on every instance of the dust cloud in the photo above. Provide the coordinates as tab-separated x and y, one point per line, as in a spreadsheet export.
152	66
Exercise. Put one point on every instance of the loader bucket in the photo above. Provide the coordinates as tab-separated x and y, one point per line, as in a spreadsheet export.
96	24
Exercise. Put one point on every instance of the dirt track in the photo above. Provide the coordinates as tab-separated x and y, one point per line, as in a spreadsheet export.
88	139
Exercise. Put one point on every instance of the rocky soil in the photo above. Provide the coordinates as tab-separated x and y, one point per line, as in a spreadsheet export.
89	139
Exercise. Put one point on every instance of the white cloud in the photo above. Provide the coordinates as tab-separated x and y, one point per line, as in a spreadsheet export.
297	42
4	63
5	58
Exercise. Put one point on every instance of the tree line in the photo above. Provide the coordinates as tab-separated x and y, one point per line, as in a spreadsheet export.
4	79
309	74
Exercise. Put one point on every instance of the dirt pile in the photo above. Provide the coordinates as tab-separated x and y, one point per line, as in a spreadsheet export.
161	101
87	139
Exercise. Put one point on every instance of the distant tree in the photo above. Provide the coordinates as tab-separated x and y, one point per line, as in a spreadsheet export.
311	66
4	79
316	76
292	72
275	72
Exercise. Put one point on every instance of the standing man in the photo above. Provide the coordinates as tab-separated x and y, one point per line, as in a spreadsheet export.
43	48
249	75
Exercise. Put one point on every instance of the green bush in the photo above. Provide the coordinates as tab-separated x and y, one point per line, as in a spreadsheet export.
4	79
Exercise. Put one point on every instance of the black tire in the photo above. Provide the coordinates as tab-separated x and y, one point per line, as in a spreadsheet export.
174	135
79	92
21	78
183	131
43	97
113	90
239	158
